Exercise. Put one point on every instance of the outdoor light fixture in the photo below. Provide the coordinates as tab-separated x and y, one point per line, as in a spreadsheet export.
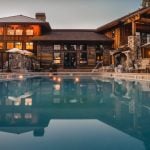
50	75
54	78
77	79
59	79
20	76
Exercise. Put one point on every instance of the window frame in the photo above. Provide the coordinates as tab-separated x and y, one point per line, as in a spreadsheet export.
30	43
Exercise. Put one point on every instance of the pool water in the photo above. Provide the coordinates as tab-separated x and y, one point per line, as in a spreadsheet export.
74	114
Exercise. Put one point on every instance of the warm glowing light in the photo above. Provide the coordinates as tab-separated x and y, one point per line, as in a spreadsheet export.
57	87
54	78
17	102
77	79
59	79
28	102
50	75
20	76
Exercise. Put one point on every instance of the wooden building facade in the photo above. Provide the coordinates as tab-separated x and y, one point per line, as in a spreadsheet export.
128	36
130	33
73	48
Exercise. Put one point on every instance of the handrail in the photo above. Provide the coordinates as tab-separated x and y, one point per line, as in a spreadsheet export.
100	62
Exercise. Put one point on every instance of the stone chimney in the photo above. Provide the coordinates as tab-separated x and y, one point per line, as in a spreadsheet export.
41	16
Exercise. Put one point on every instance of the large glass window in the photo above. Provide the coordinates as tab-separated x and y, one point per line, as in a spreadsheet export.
83	47
18	45
29	32
1	30
10	45
83	54
57	47
57	58
83	58
99	53
1	45
73	47
70	47
29	45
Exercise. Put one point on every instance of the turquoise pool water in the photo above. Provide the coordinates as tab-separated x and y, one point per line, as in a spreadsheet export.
74	114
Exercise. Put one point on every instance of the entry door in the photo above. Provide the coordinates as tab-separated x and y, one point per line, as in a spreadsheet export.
70	60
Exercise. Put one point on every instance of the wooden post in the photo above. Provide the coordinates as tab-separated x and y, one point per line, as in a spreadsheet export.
133	28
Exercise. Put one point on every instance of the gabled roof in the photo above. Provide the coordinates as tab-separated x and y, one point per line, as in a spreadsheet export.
73	35
122	19
19	19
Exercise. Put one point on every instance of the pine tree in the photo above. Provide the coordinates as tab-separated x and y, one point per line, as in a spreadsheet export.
146	3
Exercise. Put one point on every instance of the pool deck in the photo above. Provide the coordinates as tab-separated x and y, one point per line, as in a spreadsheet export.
122	76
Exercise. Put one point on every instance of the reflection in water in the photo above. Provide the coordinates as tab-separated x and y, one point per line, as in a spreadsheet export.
81	110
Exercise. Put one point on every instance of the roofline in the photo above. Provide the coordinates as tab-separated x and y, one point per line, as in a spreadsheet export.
120	20
46	24
75	30
74	41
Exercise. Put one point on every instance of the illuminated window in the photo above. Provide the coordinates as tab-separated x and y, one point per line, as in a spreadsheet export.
29	45
10	45
1	30
19	32
18	45
1	45
10	31
17	102
57	58
29	32
28	102
83	58
57	47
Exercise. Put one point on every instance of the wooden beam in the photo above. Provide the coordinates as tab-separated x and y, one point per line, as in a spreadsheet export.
145	20
133	18
142	27
133	28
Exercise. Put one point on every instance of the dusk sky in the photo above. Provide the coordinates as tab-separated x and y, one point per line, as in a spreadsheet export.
77	14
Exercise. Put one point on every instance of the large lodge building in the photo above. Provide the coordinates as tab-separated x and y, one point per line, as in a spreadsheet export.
122	41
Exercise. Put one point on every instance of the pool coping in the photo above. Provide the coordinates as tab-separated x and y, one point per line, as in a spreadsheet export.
123	76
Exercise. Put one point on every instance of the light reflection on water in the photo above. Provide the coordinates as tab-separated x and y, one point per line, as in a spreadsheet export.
91	114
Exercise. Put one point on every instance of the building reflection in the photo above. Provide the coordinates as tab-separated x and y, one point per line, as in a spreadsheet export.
30	105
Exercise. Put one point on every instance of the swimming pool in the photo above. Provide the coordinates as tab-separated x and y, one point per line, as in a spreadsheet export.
76	113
